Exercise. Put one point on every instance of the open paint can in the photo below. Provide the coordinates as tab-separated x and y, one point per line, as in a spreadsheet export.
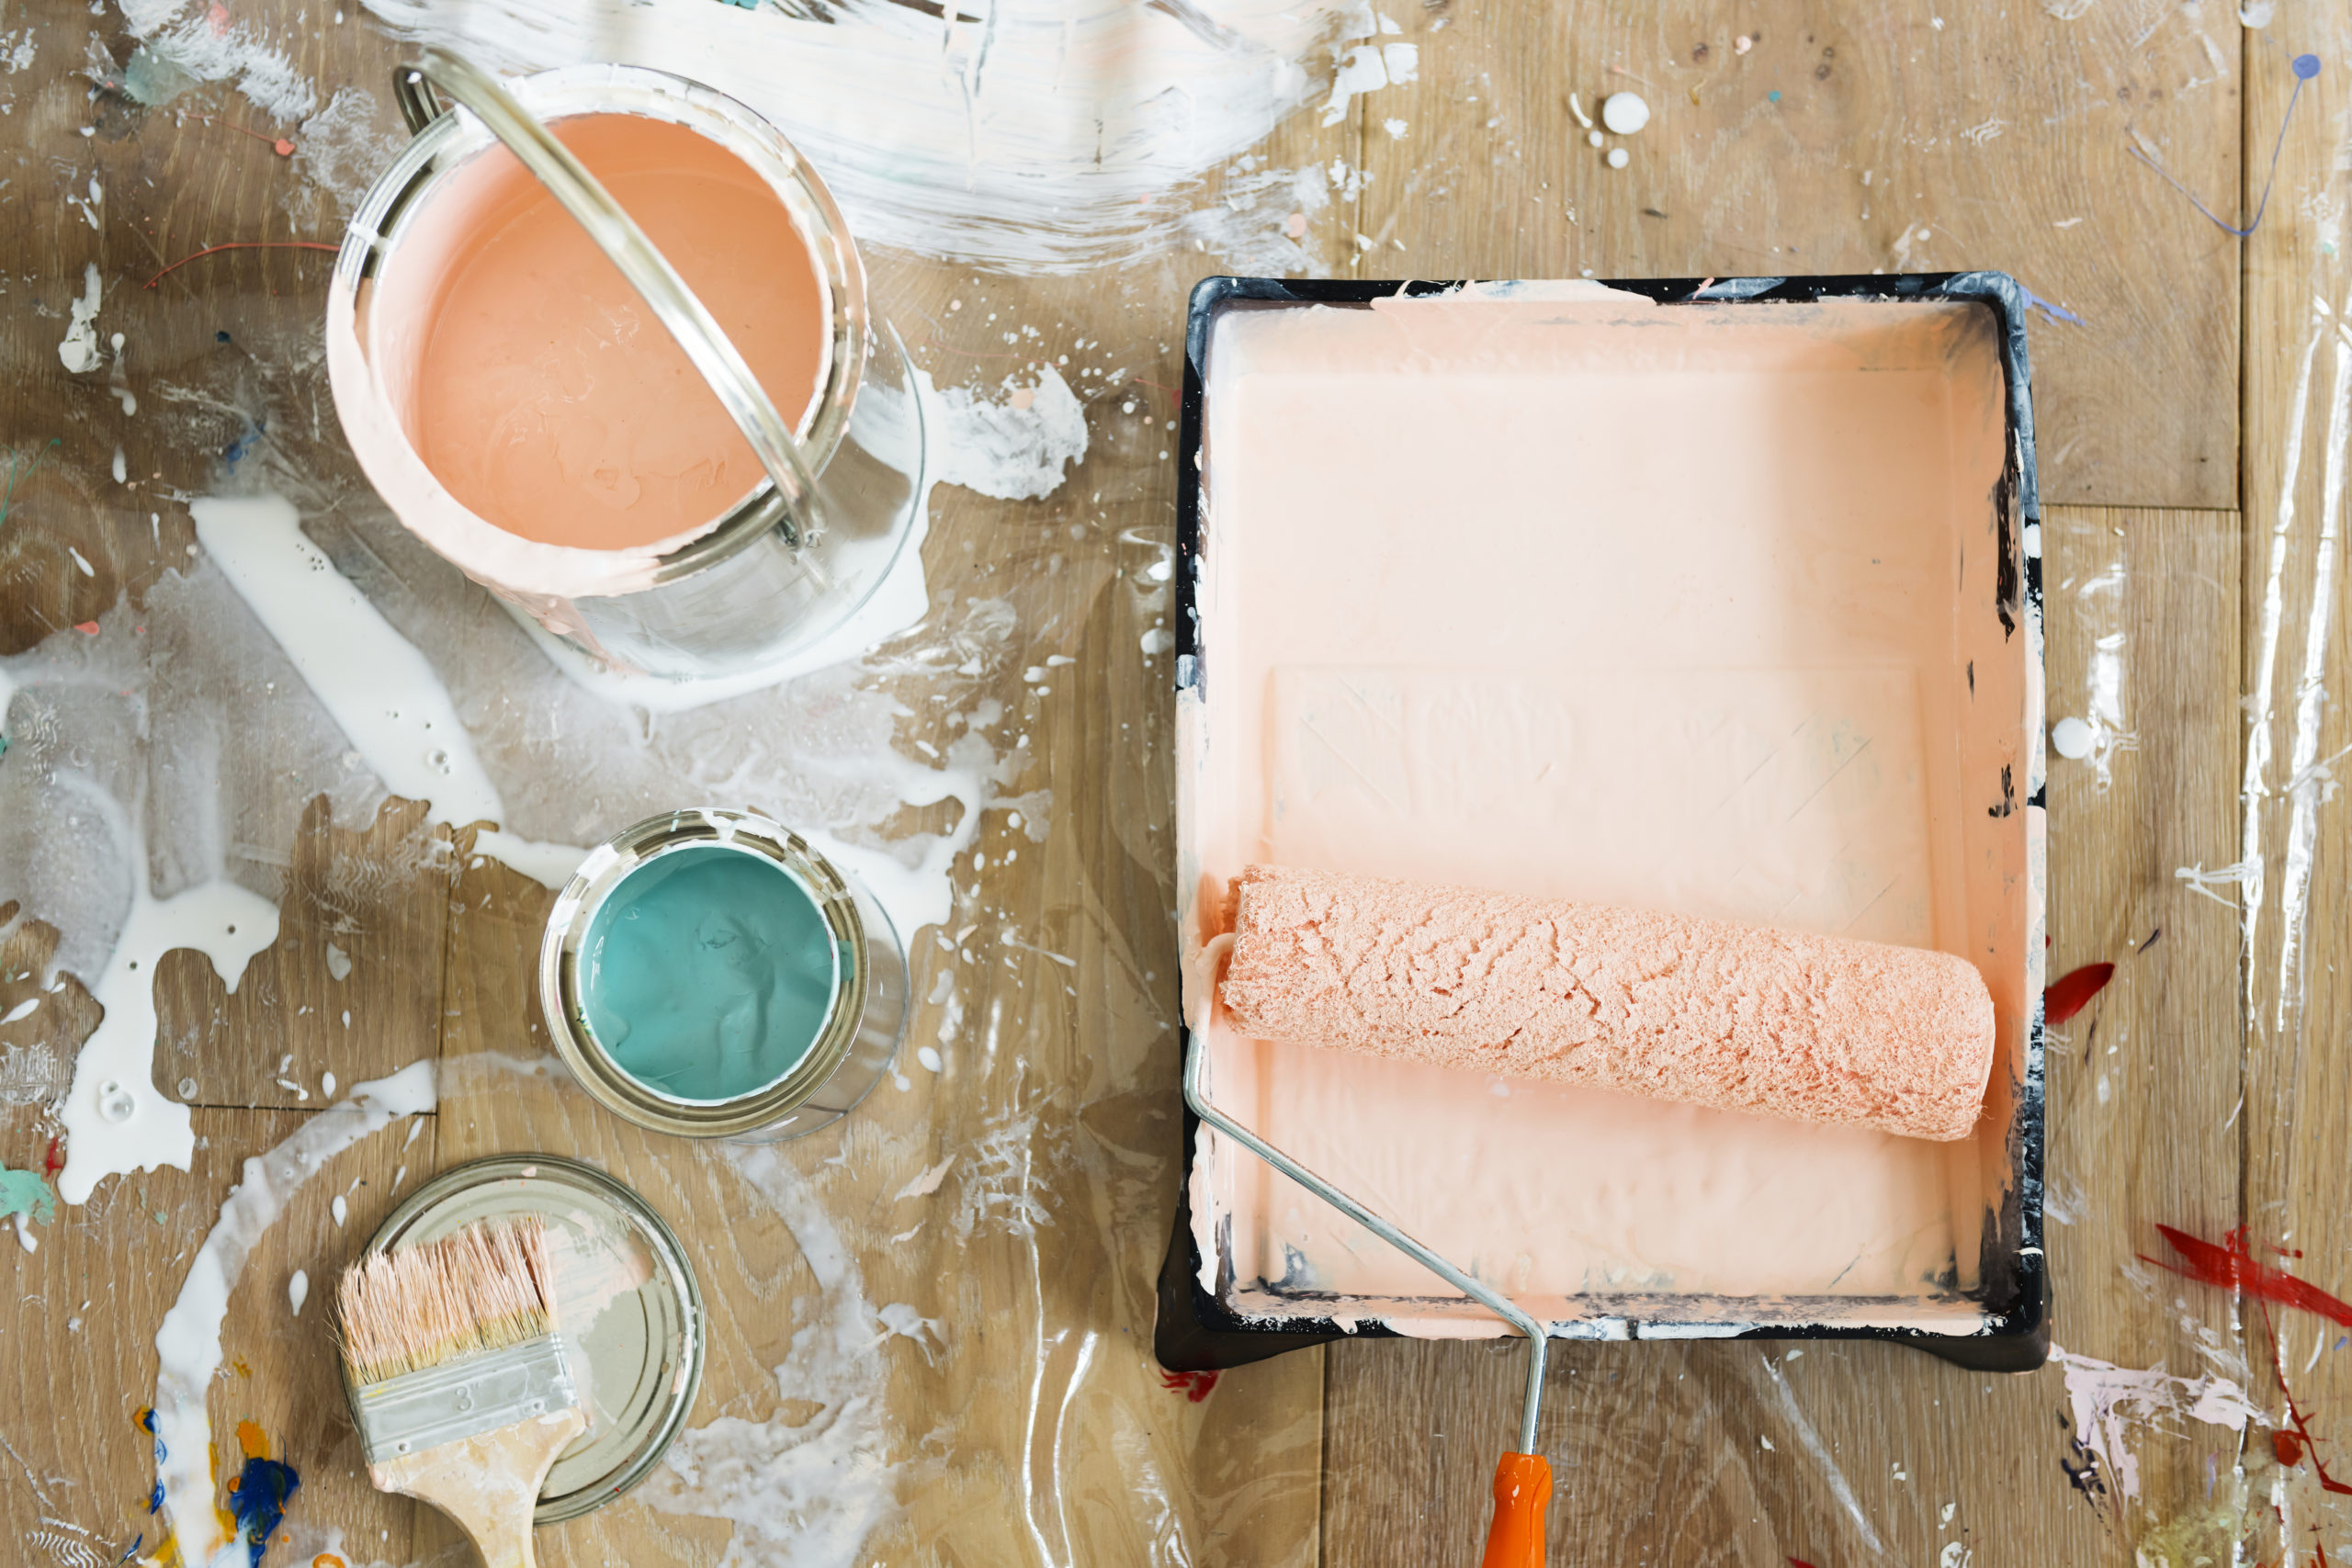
601	338
705	973
626	1303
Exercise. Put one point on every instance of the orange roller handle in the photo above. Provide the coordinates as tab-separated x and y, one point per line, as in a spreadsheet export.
1522	1494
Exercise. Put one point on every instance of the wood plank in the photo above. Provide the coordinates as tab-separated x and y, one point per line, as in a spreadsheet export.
1661	1449
2297	899
1989	138
81	1320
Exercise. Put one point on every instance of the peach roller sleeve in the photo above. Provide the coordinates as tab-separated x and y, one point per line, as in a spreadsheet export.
1774	1022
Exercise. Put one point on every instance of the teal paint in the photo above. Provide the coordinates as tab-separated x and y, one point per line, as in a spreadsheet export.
24	1192
707	973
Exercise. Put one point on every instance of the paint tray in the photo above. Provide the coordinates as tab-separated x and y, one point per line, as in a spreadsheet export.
1721	597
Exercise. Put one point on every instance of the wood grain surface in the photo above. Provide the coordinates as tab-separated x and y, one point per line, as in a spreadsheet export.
2183	372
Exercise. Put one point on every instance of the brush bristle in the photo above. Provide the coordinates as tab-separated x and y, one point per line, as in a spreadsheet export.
479	1288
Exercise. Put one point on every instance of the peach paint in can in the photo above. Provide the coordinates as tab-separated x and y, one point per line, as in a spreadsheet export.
524	412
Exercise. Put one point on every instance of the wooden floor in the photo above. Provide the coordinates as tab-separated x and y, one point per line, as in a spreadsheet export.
2193	393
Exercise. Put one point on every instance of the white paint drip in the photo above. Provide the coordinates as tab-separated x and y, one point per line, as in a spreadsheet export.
116	1122
2107	1401
1013	450
79	352
298	1290
1038	136
188	1344
2305	779
802	1496
383	694
201	40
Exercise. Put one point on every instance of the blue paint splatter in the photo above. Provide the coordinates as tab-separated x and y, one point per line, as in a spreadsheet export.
1774	95
2305	67
2055	312
257	1500
245	442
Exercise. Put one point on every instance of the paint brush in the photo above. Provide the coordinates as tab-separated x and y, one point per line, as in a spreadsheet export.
457	1378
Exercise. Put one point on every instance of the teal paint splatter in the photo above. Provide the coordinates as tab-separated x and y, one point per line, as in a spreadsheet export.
24	1192
258	1499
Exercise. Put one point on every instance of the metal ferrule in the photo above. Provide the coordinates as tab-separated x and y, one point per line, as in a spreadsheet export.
463	1398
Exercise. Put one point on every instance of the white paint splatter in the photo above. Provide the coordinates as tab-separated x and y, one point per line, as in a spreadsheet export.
188	1346
114	1121
22	1009
1014	449
298	1290
2203	882
338	963
79	352
2107	1401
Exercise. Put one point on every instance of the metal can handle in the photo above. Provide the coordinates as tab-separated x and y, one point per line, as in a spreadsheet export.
648	271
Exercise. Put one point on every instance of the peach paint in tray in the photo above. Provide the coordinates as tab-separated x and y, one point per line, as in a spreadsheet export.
1719	599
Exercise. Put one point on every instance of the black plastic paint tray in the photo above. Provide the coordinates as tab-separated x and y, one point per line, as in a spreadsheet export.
1321	739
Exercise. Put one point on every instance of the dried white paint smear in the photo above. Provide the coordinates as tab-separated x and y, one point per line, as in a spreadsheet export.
188	1346
204	41
1029	135
2109	1402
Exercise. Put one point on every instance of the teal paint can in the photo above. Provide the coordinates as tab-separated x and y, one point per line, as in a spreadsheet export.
706	972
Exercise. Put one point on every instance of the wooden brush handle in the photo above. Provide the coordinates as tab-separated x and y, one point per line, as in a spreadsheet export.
489	1484
1522	1494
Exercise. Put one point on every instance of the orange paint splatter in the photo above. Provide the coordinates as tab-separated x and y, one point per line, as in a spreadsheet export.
88	628
253	1439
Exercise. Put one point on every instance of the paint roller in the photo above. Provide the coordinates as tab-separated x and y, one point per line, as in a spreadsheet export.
1827	1029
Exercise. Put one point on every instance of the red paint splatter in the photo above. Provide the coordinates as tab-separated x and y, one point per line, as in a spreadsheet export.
88	628
53	1160
2070	994
1195	1386
1799	1563
243	245
2232	1266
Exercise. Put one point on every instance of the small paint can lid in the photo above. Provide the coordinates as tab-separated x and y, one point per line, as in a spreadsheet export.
630	1311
